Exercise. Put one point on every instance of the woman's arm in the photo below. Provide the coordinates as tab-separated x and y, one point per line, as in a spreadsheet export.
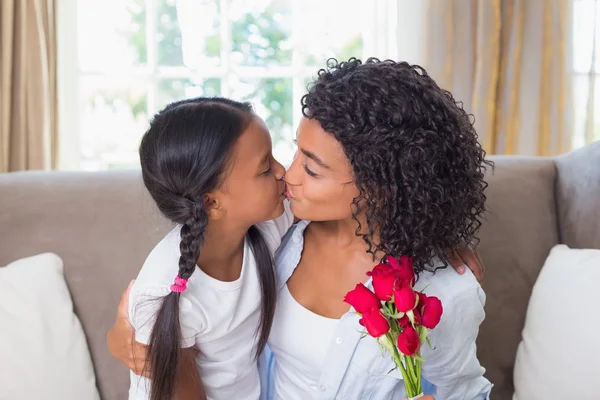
452	365
121	340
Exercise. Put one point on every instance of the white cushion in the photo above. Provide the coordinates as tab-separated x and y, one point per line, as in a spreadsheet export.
43	351
559	355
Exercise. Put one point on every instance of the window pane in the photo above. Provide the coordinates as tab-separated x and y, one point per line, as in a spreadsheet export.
272	101
113	119
188	33
170	90
111	34
583	34
581	93
333	31
260	32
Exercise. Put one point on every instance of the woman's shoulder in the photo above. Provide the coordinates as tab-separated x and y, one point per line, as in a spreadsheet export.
294	238
289	252
450	287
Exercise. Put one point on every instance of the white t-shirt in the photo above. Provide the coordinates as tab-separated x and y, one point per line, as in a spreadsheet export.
219	318
298	371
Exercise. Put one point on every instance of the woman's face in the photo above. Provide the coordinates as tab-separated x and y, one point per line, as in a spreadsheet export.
320	180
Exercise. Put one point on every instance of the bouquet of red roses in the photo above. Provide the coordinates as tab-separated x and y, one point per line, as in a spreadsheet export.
397	316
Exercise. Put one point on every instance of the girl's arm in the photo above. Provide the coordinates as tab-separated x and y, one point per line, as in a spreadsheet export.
122	345
189	385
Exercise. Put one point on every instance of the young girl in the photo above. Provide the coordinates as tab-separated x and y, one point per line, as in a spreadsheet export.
204	299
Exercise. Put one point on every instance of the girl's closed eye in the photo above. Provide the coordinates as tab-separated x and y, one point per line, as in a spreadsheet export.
268	170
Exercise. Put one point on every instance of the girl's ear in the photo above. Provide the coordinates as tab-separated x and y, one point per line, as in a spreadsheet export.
213	206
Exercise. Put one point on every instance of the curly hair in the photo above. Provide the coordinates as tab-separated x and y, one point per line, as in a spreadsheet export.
414	152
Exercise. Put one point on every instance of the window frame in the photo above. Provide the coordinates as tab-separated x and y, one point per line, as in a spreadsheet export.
382	21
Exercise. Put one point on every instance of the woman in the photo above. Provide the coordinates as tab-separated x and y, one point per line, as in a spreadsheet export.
387	164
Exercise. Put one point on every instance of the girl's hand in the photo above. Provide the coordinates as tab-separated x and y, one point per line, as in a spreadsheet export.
121	340
466	256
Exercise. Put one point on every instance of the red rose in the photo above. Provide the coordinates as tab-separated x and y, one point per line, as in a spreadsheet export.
432	312
384	281
405	299
376	324
404	267
362	299
404	321
409	342
422	298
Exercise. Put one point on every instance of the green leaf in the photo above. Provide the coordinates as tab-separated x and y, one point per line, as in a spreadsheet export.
429	343
387	313
418	358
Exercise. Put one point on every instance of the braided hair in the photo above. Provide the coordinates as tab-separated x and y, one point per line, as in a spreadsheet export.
183	156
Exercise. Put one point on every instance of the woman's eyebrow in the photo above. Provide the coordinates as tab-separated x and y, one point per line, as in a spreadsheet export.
315	158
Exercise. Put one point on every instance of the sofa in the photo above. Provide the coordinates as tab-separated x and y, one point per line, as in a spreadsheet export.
103	224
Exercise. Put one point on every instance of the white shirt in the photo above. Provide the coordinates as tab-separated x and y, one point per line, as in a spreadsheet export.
297	370
219	318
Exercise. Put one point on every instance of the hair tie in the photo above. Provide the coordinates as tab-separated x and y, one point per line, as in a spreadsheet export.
180	285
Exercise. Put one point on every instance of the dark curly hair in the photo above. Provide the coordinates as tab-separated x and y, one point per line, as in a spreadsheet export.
417	163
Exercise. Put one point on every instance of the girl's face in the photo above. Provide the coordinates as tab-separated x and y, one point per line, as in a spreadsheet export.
253	190
320	180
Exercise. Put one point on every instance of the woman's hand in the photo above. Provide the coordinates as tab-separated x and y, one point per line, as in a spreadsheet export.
466	256
426	397
121	340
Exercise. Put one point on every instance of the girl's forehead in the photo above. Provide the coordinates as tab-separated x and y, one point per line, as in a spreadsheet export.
253	145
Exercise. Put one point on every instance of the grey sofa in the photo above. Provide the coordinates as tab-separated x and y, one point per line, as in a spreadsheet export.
103	226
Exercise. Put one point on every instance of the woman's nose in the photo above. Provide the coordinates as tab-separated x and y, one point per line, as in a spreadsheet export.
291	175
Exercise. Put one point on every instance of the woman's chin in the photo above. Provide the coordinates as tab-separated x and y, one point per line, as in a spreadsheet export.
298	212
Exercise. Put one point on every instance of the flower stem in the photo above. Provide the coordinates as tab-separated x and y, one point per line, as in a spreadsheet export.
405	376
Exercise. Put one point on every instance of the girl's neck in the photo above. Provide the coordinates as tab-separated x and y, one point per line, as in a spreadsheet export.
222	252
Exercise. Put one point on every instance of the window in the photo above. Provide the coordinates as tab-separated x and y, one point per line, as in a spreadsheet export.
132	57
586	70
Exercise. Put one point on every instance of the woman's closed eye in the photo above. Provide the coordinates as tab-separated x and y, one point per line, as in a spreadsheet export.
306	169
309	172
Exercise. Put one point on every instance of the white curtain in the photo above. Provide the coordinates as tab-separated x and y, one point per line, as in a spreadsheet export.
586	66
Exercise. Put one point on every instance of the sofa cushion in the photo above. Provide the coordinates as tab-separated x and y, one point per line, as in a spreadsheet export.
43	352
558	356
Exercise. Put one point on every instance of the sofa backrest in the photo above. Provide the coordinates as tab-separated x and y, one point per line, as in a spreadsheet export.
578	197
519	232
103	225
